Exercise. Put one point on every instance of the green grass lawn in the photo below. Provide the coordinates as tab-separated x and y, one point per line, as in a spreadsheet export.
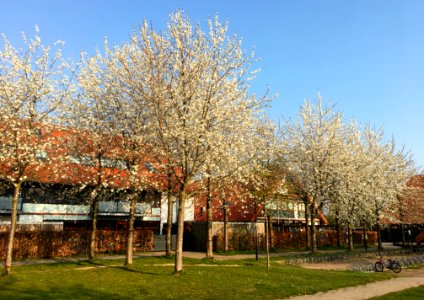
152	278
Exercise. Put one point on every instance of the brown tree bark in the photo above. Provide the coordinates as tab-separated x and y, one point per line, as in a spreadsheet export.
349	238
225	228
307	229
271	235
169	227
337	229
402	229
256	240
180	233
130	232
380	244
209	220
314	247
14	217
94	208
267	241
365	238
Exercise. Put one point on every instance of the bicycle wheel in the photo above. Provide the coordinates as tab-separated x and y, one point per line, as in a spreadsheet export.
396	267
379	267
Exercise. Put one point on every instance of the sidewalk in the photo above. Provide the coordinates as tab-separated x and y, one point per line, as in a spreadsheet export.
197	255
413	278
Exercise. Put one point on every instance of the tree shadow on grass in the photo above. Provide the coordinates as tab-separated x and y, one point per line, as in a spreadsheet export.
76	291
129	269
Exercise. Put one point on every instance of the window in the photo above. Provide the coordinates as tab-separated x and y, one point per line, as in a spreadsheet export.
41	155
113	163
197	177
86	160
81	160
149	167
37	131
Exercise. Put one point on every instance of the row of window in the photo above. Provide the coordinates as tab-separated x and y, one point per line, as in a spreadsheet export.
112	163
86	160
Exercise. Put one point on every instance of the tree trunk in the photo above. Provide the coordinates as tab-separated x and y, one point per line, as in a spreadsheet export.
14	216
130	232
299	240
365	239
270	233
313	230
209	244
94	209
256	232
337	229
209	220
402	228
267	241
256	240
380	244
225	229
169	227
307	232
349	238
180	233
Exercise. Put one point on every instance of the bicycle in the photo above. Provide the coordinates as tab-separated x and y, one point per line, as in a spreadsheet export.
389	264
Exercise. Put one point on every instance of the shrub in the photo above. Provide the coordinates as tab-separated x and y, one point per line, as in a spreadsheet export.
47	244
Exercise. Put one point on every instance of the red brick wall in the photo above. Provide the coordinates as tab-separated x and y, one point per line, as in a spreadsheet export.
241	208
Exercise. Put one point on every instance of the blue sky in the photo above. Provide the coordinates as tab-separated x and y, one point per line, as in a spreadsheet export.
367	56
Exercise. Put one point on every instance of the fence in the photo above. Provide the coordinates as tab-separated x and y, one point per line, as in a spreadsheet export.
325	237
238	242
46	244
243	239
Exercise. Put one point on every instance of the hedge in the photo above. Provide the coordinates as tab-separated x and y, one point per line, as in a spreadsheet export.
47	244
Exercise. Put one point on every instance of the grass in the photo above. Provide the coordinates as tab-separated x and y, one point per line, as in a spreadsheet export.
408	294
152	278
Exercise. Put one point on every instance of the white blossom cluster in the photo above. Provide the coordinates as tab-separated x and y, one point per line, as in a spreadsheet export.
172	110
180	98
351	172
33	83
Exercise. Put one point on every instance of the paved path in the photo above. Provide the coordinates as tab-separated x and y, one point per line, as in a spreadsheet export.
366	291
198	255
408	278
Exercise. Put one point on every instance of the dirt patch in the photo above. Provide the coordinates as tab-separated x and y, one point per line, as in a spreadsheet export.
337	266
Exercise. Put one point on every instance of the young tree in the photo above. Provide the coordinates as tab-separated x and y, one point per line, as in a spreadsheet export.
94	163
295	187
311	145
97	144
194	86
386	175
267	183
170	186
33	82
410	200
249	146
347	187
